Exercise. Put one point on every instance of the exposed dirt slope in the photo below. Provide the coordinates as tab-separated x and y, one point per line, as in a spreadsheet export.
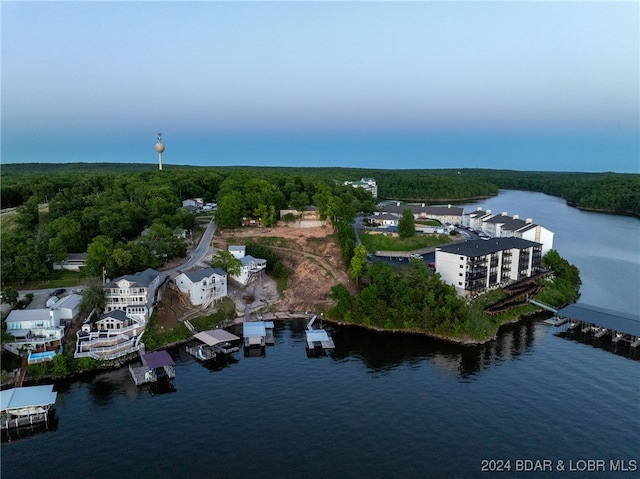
312	256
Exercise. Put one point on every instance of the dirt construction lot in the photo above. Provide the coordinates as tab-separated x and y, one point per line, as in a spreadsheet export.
312	256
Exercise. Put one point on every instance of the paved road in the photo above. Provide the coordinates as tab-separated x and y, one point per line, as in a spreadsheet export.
197	254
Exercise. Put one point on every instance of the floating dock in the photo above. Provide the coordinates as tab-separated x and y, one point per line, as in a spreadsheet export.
213	344
155	366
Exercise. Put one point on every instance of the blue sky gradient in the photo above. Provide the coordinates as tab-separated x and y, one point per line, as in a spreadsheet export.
531	86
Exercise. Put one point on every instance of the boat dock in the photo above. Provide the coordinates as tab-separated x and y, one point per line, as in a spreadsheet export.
213	344
27	406
155	366
318	340
598	324
257	334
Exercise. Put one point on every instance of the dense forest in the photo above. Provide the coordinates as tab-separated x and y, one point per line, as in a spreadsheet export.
128	217
610	192
132	220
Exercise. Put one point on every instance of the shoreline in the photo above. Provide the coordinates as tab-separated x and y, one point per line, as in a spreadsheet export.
282	316
448	339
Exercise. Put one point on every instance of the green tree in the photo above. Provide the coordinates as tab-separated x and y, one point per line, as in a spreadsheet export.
10	295
225	260
98	253
57	249
358	262
406	225
60	366
93	299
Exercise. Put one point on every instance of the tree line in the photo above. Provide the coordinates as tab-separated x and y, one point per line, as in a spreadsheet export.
133	220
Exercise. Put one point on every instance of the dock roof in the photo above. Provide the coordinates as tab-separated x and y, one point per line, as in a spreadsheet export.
475	248
253	329
605	318
158	359
317	335
215	336
31	396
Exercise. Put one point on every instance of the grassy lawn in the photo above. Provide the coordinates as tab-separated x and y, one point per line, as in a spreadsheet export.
58	279
378	242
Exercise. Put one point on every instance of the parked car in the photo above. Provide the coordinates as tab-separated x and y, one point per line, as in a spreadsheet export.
58	292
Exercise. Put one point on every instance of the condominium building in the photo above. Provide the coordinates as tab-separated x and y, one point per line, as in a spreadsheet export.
477	266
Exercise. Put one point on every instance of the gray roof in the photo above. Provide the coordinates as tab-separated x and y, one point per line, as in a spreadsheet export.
427	209
481	247
247	260
478	213
509	223
199	274
31	396
605	318
140	279
72	301
215	336
115	314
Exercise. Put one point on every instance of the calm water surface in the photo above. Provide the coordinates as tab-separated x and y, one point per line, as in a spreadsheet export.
380	405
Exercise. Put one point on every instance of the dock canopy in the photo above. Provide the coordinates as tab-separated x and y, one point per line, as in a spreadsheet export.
27	397
158	359
604	318
254	329
215	336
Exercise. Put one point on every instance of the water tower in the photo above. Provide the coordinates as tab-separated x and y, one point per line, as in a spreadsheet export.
160	150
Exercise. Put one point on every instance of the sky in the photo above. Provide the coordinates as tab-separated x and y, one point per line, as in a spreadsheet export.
519	85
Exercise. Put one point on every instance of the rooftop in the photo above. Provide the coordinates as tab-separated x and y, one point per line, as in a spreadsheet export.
481	248
605	318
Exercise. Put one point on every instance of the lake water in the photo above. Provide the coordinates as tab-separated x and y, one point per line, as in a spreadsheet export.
380	405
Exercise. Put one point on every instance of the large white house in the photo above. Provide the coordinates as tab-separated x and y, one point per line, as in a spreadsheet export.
110	336
369	184
34	329
204	286
477	266
504	226
135	294
250	266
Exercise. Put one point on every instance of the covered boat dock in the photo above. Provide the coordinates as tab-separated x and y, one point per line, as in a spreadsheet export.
600	323
212	344
256	335
318	340
26	406
156	365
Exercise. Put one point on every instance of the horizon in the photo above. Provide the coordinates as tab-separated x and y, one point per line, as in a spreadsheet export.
549	86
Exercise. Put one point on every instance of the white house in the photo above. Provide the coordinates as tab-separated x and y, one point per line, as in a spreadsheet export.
112	335
135	294
68	307
193	203
504	226
238	251
477	266
385	219
73	262
34	329
250	266
204	286
369	184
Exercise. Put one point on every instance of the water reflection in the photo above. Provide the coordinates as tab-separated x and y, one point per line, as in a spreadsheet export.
382	352
621	348
23	432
